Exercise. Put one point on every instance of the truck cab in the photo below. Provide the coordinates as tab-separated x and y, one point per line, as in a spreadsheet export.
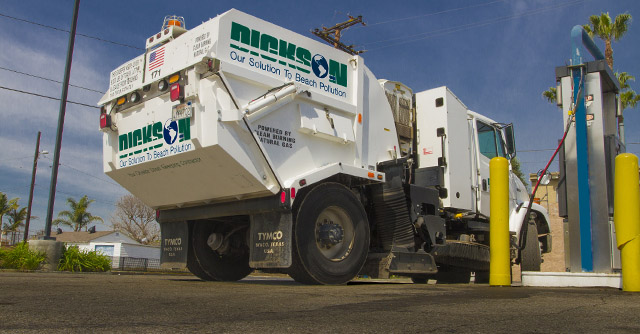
454	148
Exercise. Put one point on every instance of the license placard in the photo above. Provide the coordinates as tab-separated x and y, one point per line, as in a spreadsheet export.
184	110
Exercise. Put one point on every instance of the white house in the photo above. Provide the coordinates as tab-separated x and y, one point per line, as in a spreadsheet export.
114	244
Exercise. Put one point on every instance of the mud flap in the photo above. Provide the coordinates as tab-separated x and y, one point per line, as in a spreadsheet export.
174	245
270	240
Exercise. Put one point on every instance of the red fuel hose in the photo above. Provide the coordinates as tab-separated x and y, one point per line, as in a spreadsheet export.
523	230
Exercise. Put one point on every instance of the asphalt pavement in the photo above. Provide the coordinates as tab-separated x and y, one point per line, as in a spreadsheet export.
36	302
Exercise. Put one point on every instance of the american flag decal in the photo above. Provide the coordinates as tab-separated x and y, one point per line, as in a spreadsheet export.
156	58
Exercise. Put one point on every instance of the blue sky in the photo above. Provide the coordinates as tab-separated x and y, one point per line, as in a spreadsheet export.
496	56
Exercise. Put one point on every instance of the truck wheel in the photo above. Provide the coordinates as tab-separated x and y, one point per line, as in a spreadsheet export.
331	236
194	268
530	257
230	265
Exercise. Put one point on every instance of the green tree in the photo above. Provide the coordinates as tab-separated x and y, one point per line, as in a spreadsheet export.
628	97
515	167
78	217
7	205
17	218
603	27
551	94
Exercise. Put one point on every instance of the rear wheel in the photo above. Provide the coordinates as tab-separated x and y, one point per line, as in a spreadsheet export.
331	236
220	252
530	257
194	268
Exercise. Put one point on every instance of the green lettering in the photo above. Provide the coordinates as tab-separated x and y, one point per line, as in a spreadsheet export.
136	138
303	56
240	33
255	39
184	127
287	50
157	130
269	43
338	73
146	134
123	142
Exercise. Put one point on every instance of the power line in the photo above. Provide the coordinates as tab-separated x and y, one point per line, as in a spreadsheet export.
85	173
446	31
47	97
16	189
101	200
433	14
63	30
28	156
540	150
52	80
553	149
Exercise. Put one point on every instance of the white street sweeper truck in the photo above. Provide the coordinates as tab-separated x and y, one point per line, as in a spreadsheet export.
263	149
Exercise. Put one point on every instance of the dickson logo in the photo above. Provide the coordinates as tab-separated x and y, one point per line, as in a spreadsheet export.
154	136
287	54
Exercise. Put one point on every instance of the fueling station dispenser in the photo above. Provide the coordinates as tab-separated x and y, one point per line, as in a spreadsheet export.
587	94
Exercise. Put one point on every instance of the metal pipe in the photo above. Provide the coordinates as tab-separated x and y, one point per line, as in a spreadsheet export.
580	37
63	105
33	182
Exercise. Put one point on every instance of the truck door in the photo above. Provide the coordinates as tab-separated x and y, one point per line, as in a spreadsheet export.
490	145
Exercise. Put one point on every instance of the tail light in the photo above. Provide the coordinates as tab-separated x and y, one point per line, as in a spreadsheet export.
105	121
176	92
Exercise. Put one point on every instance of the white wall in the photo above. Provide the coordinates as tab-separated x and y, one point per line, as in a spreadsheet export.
115	237
141	251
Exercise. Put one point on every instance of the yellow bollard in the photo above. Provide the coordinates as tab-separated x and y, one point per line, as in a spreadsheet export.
626	217
500	265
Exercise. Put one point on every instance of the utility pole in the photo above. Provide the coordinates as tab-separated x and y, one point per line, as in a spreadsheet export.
63	105
332	35
33	182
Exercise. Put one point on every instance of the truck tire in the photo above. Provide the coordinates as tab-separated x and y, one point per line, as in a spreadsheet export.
195	269
530	258
230	266
331	236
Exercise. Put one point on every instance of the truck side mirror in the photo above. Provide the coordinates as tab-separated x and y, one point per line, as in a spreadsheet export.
510	141
544	179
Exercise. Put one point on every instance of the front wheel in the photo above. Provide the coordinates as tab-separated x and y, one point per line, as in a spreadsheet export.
530	257
331	236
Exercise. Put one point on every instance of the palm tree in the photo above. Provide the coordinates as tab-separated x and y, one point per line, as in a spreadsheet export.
628	97
16	219
602	27
7	205
551	94
78	217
